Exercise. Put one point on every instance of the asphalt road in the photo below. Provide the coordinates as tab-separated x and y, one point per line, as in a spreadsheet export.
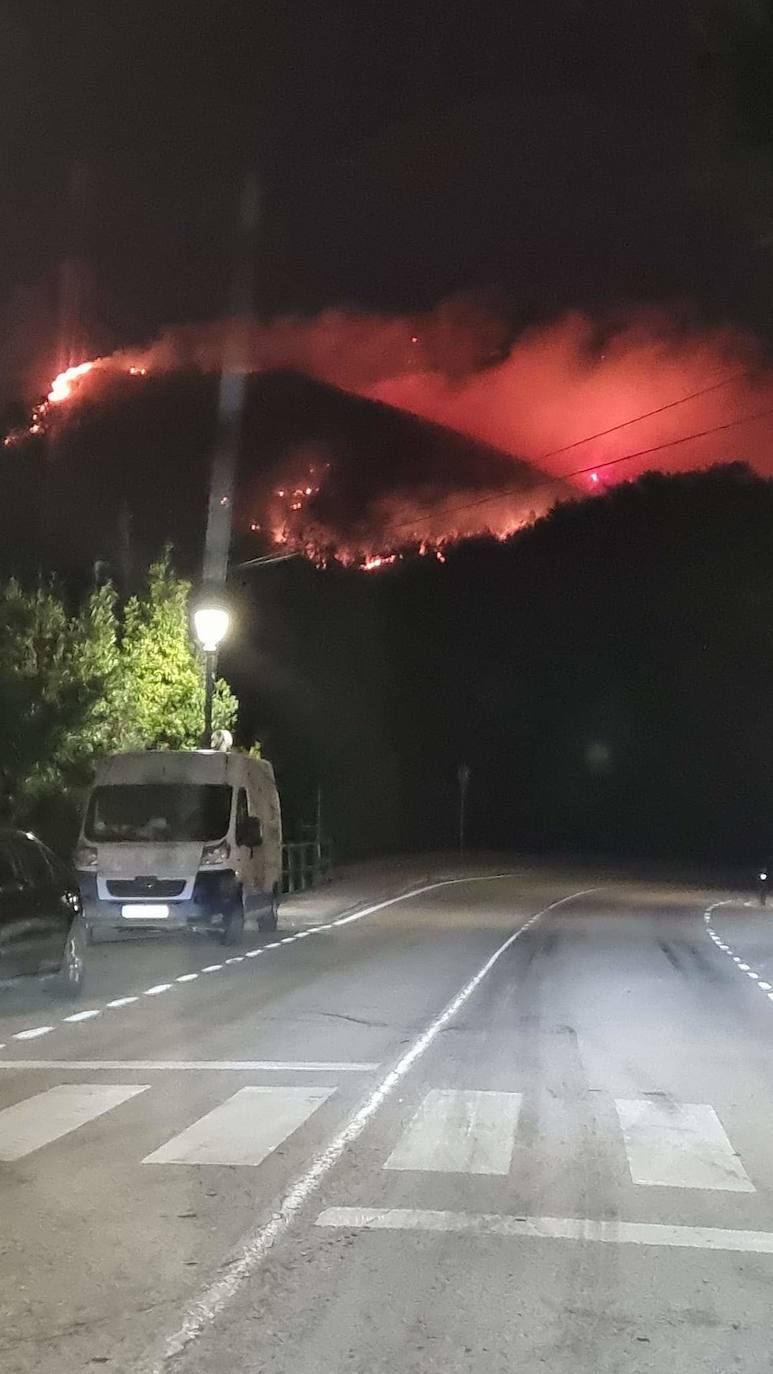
508	1123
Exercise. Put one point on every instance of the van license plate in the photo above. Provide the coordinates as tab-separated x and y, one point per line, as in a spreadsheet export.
145	911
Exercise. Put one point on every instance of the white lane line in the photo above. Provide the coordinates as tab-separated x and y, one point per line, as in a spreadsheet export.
33	1033
236	959
35	1122
679	1145
221	1065
186	977
428	887
214	1298
765	986
83	1015
118	1002
159	987
549	1228
245	1129
274	945
456	1131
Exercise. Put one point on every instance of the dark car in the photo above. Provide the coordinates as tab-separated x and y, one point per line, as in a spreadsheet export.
41	924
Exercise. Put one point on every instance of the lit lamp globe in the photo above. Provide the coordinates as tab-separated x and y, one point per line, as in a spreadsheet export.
211	625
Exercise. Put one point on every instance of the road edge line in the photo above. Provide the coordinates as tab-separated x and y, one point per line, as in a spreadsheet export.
214	1299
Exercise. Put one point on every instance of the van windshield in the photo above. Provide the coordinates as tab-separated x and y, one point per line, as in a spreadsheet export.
160	812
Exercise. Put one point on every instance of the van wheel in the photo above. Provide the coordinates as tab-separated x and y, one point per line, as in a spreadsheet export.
270	919
233	924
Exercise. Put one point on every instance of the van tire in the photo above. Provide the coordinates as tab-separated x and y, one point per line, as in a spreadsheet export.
270	919
233	924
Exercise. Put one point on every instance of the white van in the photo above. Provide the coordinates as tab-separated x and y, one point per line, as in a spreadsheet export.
181	841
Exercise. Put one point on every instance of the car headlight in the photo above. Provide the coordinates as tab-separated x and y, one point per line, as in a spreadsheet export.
215	854
85	856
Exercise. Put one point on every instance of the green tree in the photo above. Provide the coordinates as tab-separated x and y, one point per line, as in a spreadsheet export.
77	685
160	697
56	679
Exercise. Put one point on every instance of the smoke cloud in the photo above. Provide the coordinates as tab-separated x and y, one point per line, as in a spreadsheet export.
526	406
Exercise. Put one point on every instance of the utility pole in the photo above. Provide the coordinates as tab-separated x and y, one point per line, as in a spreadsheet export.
463	777
211	616
230	403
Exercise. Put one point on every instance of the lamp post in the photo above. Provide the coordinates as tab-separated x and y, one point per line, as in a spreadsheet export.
463	777
211	622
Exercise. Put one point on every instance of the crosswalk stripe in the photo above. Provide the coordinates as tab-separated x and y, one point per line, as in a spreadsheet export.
456	1131
244	1129
679	1145
49	1115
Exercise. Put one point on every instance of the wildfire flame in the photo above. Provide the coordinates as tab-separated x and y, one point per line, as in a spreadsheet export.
552	412
62	385
62	388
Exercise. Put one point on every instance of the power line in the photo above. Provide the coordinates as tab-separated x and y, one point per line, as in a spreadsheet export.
592	467
588	438
266	558
647	415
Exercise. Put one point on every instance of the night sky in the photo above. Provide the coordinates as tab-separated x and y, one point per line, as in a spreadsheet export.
554	153
421	165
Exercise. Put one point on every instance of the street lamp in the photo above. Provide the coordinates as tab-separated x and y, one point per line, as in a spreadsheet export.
211	622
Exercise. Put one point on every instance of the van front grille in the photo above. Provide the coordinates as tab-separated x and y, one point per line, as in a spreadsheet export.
144	888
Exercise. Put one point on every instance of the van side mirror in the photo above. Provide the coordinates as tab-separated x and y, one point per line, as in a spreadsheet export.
250	832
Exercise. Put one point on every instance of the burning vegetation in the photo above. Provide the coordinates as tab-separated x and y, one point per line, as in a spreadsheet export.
507	426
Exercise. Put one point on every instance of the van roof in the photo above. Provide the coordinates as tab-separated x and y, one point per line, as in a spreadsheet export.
178	765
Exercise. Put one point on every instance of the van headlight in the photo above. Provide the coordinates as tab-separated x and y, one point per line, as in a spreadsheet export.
213	854
85	856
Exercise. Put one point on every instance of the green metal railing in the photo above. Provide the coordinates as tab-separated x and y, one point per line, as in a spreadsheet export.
305	863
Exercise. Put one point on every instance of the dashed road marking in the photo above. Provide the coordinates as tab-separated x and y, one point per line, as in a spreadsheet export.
116	1003
740	964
